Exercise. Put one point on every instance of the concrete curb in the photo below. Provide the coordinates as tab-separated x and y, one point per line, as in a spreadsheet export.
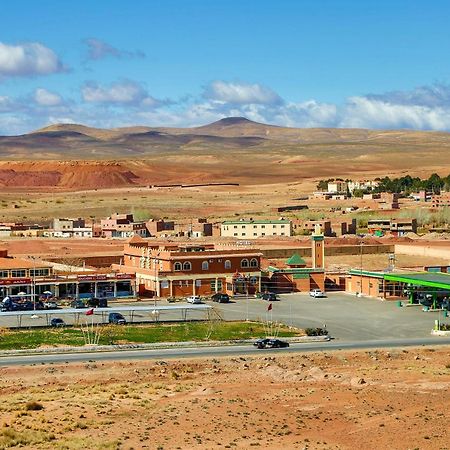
155	346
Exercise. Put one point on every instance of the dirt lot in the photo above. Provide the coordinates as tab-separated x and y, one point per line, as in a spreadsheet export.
344	400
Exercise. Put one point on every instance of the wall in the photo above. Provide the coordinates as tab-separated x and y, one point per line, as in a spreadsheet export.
423	250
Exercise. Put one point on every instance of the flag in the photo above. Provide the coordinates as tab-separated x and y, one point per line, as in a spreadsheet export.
269	308
89	312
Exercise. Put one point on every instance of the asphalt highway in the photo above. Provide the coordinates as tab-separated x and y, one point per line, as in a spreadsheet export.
211	352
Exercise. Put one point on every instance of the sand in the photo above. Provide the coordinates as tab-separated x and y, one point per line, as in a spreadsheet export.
331	400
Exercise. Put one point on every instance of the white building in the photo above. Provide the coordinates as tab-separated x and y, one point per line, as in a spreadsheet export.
253	229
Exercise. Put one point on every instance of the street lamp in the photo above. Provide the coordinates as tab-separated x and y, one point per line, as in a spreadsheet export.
360	268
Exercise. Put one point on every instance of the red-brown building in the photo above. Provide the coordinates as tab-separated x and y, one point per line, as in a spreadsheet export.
182	270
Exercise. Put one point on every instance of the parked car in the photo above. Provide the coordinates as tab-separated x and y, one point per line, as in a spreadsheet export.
56	322
50	305
116	318
220	297
270	343
194	299
316	293
77	304
270	297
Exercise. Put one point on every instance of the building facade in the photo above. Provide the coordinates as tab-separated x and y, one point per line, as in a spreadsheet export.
182	270
253	229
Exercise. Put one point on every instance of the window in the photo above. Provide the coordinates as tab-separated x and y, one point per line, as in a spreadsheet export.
3	274
219	285
227	264
274	226
244	263
243	234
235	234
235	226
255	234
282	234
205	265
18	273
187	266
177	266
253	262
255	226
242	226
39	272
253	280
263	226
282	226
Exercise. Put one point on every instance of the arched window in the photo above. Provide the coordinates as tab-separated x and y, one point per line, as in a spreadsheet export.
244	262
205	265
177	266
227	264
253	262
187	266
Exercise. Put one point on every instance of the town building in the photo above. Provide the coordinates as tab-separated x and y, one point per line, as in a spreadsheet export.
337	187
253	229
329	227
440	201
295	276
170	270
362	185
122	226
396	227
389	201
33	276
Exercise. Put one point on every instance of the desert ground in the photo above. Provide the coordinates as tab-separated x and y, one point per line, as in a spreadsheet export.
396	399
71	170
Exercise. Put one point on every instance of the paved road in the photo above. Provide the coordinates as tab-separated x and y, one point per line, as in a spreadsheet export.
203	352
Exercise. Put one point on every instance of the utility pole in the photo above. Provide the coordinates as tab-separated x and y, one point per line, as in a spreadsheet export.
360	268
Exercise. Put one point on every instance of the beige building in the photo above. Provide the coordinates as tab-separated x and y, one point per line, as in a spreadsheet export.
253	229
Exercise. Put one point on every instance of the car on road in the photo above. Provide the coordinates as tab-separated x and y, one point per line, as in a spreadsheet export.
56	322
270	343
270	296
194	299
316	293
77	304
116	318
220	297
50	305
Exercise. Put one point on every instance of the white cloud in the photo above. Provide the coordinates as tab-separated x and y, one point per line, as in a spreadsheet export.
28	59
98	49
241	93
363	112
46	98
125	92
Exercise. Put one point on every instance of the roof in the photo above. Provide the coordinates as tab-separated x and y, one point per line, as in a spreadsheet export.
17	263
366	273
295	260
246	222
429	279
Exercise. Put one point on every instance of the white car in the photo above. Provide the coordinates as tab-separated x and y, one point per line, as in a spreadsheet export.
194	299
316	293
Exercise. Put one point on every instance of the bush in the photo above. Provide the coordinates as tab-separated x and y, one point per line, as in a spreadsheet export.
33	406
316	332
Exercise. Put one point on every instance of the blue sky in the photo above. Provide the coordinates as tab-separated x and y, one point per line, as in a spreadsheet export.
317	63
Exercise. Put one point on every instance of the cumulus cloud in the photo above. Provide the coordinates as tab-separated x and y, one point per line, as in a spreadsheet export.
127	102
28	59
46	98
120	93
241	93
436	95
98	49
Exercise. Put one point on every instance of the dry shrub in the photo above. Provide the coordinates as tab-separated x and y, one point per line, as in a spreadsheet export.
34	406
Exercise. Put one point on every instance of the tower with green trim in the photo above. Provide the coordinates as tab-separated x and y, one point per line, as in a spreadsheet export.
318	249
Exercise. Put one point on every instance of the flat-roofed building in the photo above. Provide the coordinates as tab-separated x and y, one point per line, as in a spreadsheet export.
170	270
253	229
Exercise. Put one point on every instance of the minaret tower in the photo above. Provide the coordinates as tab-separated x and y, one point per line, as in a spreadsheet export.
318	250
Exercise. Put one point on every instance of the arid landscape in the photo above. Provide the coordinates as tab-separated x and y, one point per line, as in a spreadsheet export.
396	399
72	170
234	150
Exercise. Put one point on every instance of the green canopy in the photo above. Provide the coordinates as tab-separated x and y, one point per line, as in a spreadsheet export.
296	260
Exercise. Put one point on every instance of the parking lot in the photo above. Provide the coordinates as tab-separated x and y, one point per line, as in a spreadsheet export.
347	317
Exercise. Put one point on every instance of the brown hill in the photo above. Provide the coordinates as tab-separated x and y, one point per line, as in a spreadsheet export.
233	149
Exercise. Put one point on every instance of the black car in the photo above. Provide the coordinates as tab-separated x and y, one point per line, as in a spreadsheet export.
116	318
56	322
220	297
270	343
270	297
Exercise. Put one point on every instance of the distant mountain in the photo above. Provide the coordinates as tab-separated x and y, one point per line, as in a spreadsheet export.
236	149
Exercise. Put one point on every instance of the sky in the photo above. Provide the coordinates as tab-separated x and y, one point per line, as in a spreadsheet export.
299	63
